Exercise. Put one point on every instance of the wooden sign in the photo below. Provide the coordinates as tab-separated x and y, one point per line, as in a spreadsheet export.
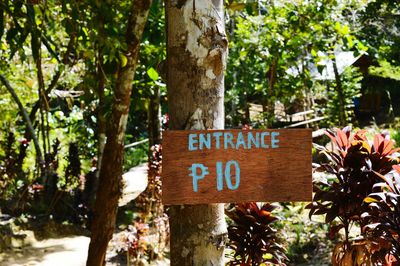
236	166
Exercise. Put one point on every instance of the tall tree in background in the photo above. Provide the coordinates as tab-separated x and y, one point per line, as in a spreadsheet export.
109	189
196	55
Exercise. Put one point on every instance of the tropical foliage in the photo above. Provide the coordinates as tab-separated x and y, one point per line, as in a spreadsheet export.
252	237
356	175
59	63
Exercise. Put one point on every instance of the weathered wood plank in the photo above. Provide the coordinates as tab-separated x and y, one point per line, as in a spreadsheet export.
279	172
306	122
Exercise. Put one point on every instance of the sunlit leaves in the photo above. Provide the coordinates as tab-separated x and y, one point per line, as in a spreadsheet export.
380	29
152	73
293	36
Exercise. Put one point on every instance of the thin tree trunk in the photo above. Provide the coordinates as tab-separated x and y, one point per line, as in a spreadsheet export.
196	59
339	90
109	189
101	126
37	56
25	117
306	92
92	181
270	101
154	119
101	116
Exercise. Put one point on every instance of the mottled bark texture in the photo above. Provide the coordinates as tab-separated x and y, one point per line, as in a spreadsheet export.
109	189
196	59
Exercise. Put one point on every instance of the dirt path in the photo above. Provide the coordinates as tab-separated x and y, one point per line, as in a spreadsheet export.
135	183
71	250
66	251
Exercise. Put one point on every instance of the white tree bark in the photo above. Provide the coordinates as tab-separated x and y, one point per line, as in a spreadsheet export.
196	60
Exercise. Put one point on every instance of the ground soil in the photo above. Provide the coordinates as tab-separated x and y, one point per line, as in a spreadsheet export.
59	248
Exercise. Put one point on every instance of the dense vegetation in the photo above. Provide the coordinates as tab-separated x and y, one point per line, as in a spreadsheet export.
317	63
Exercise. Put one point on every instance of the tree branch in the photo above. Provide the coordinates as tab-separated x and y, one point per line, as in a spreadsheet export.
25	117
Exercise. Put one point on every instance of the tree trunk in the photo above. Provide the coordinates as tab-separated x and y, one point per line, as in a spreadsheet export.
196	59
154	118
269	109
339	90
101	83
109	189
91	187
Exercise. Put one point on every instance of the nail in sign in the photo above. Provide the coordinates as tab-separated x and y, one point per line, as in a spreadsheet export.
218	166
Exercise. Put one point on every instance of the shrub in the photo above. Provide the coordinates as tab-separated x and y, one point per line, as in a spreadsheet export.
354	167
383	218
252	236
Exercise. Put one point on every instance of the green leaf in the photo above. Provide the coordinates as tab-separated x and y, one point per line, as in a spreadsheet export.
337	26
345	30
124	60
85	31
152	73
350	41
314	53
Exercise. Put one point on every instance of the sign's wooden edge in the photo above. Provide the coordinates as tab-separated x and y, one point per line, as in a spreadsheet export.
170	131
170	203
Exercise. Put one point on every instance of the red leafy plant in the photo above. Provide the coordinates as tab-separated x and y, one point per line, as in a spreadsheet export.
152	209
134	241
354	166
252	236
382	218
